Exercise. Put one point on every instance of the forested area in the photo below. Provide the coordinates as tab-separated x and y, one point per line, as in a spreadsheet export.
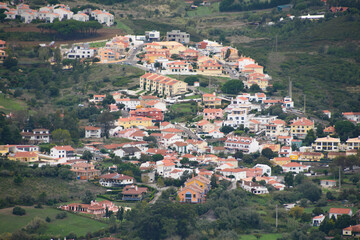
70	28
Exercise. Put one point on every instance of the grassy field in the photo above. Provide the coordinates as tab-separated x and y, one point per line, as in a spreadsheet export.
121	25
97	44
265	236
202	11
53	187
8	104
72	223
183	112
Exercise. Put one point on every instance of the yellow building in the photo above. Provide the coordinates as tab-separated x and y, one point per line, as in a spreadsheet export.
173	47
211	101
311	156
300	127
163	85
140	122
200	181
209	66
253	68
281	161
257	78
24	156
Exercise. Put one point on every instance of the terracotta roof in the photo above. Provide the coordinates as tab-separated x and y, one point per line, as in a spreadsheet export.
340	210
294	164
66	148
91	128
302	122
25	154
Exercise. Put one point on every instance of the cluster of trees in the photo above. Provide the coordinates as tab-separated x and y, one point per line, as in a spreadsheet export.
240	5
166	219
69	28
9	133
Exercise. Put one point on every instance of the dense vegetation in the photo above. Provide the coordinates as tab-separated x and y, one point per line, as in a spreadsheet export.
71	28
235	5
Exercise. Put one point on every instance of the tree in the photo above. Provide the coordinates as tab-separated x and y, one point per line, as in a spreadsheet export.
88	197
267	152
228	53
226	129
191	80
232	87
87	155
57	55
61	137
317	211
254	88
296	211
238	154
109	99
120	214
19	211
10	62
106	120
289	179
213	182
160	182
184	161
157	157
309	191
310	138
18	180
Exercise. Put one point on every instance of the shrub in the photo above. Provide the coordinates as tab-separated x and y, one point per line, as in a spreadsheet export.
61	215
19	211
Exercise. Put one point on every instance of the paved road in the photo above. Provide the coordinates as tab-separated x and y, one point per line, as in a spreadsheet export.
158	194
187	131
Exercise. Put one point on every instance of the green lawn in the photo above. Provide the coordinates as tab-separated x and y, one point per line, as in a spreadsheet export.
121	25
265	236
72	223
97	44
8	104
193	97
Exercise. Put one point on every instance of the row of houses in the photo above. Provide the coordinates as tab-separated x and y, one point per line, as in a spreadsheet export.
58	11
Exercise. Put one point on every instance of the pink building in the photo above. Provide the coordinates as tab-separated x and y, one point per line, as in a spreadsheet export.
210	114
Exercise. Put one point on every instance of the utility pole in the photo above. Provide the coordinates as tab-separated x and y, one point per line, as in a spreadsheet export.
276	221
304	104
339	178
290	88
276	43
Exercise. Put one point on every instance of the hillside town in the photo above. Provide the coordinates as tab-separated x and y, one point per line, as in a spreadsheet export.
250	139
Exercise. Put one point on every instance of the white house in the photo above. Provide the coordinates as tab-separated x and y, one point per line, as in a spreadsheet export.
336	212
216	133
242	62
128	152
266	169
64	14
103	17
130	104
164	167
245	144
295	167
327	183
238	173
170	139
115	180
92	132
78	52
316	221
81	17
254	187
62	152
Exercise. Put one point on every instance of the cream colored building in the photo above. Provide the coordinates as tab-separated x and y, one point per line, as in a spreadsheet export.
326	144
353	143
163	85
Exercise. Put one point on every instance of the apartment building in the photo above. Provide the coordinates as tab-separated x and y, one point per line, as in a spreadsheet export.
163	85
